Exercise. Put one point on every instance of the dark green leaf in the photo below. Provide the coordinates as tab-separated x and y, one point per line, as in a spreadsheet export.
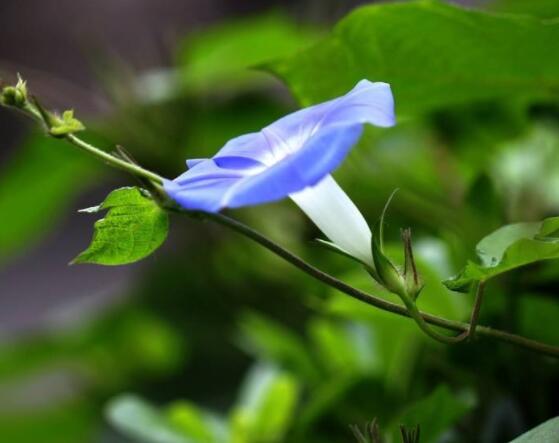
508	248
433	55
133	228
547	432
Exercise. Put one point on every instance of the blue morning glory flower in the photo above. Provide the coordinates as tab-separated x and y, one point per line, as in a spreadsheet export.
293	157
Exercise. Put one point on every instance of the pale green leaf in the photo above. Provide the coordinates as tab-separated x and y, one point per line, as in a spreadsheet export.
508	248
141	421
197	424
266	406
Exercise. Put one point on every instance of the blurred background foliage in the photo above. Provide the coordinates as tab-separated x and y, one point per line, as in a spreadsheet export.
213	339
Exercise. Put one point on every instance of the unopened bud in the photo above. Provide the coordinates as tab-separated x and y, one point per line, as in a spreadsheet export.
406	282
387	273
412	280
15	95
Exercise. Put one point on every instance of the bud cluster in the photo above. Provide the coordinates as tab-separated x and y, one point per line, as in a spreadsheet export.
15	96
57	126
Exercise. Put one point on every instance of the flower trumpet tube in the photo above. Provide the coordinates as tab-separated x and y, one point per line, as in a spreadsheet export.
293	157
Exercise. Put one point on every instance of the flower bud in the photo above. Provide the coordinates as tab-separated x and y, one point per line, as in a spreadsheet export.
15	95
406	282
387	273
412	280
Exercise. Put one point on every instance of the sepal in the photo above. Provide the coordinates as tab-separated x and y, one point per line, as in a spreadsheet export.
404	282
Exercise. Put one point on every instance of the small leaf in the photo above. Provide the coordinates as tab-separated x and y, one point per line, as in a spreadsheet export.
547	432
139	420
133	228
67	125
508	248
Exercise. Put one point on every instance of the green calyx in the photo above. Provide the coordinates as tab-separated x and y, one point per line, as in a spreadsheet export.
404	282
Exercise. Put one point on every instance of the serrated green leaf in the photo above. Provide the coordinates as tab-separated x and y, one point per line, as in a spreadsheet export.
547	432
133	228
136	418
433	55
508	248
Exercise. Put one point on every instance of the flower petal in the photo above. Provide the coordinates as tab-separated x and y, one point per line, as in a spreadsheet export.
322	154
366	103
291	154
203	196
253	146
203	186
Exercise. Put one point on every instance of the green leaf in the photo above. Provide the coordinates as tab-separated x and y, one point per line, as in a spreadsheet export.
68	124
538	8
133	228
77	418
537	317
266	406
545	433
433	55
508	248
435	414
197	424
221	57
37	187
139	420
115	347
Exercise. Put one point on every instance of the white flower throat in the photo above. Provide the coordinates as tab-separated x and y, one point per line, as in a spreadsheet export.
333	212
